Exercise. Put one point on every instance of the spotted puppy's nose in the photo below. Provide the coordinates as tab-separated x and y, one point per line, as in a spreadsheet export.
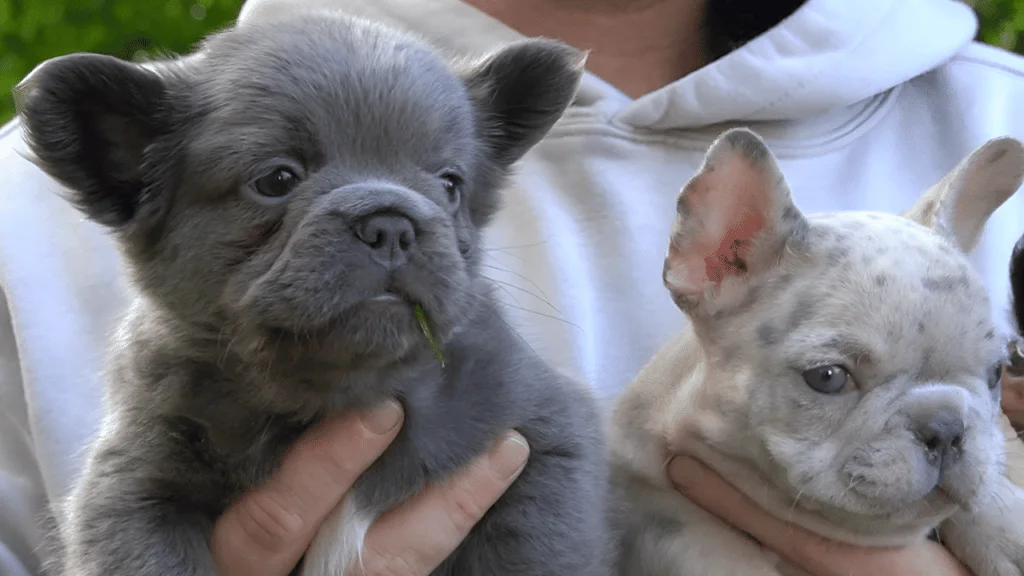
389	235
942	435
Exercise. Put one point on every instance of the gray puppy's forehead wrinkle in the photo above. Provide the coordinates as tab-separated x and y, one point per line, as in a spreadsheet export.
310	89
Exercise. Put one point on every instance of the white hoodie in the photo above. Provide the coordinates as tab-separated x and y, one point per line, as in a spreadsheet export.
866	103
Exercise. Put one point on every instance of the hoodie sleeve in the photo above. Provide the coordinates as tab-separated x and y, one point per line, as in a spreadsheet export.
60	296
21	486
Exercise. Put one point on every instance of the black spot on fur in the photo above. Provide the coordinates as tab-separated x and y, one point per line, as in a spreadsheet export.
838	255
768	335
805	309
946	283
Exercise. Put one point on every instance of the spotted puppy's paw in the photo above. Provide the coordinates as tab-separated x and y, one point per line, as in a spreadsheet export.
990	539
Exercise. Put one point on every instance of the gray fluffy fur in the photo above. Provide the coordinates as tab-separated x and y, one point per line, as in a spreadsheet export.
253	318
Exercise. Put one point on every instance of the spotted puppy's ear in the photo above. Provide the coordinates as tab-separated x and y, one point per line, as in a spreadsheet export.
90	122
734	219
520	91
962	202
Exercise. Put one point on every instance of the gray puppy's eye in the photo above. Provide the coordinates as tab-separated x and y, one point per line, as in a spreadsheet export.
276	184
452	186
827	379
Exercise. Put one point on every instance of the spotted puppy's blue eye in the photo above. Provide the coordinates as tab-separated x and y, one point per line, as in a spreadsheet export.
277	183
827	379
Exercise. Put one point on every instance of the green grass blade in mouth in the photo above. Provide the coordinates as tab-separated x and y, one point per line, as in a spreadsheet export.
421	316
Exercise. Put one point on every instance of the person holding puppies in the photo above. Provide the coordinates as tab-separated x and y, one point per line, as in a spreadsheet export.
865	103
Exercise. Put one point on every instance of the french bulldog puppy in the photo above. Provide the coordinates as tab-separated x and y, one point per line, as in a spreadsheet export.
284	199
841	369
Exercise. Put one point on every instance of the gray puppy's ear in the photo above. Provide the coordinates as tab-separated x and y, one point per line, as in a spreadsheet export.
521	90
90	121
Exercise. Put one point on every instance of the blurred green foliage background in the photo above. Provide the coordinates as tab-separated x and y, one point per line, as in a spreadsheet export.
33	30
1002	23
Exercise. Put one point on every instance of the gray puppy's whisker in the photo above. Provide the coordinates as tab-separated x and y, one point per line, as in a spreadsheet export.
541	297
518	275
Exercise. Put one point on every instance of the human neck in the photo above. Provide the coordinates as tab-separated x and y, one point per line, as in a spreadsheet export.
637	46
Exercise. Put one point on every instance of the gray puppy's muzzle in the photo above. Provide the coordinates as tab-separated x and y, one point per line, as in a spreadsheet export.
387	218
352	244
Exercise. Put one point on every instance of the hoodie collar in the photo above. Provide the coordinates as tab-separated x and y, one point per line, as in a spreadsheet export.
829	54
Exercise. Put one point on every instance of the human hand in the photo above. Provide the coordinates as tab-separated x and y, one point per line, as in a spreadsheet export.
810	552
1013	393
1012	383
268	529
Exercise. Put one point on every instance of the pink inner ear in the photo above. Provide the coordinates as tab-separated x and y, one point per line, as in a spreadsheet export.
730	258
731	202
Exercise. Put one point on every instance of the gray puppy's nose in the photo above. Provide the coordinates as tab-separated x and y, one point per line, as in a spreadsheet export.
942	435
390	235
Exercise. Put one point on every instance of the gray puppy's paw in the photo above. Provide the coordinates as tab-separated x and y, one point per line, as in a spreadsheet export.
990	540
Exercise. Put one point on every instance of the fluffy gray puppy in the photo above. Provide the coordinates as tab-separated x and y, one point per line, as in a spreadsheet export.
283	198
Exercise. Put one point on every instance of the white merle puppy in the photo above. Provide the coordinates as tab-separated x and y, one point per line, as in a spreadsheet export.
841	369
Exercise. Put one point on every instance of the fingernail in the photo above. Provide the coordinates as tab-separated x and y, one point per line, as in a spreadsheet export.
509	457
384	418
683	472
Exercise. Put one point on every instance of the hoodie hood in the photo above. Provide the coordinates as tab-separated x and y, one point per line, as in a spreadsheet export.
829	54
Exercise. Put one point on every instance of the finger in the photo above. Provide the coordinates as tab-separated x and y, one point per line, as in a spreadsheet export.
710	491
809	551
1012	393
415	537
1016	418
267	530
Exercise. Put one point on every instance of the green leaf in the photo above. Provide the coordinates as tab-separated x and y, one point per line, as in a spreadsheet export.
421	317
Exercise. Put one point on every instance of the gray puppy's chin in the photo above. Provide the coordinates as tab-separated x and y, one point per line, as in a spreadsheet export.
378	331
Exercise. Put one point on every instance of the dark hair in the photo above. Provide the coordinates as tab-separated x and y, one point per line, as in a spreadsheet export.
733	23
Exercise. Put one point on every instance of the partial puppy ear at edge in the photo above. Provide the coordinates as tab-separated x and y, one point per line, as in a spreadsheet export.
960	204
